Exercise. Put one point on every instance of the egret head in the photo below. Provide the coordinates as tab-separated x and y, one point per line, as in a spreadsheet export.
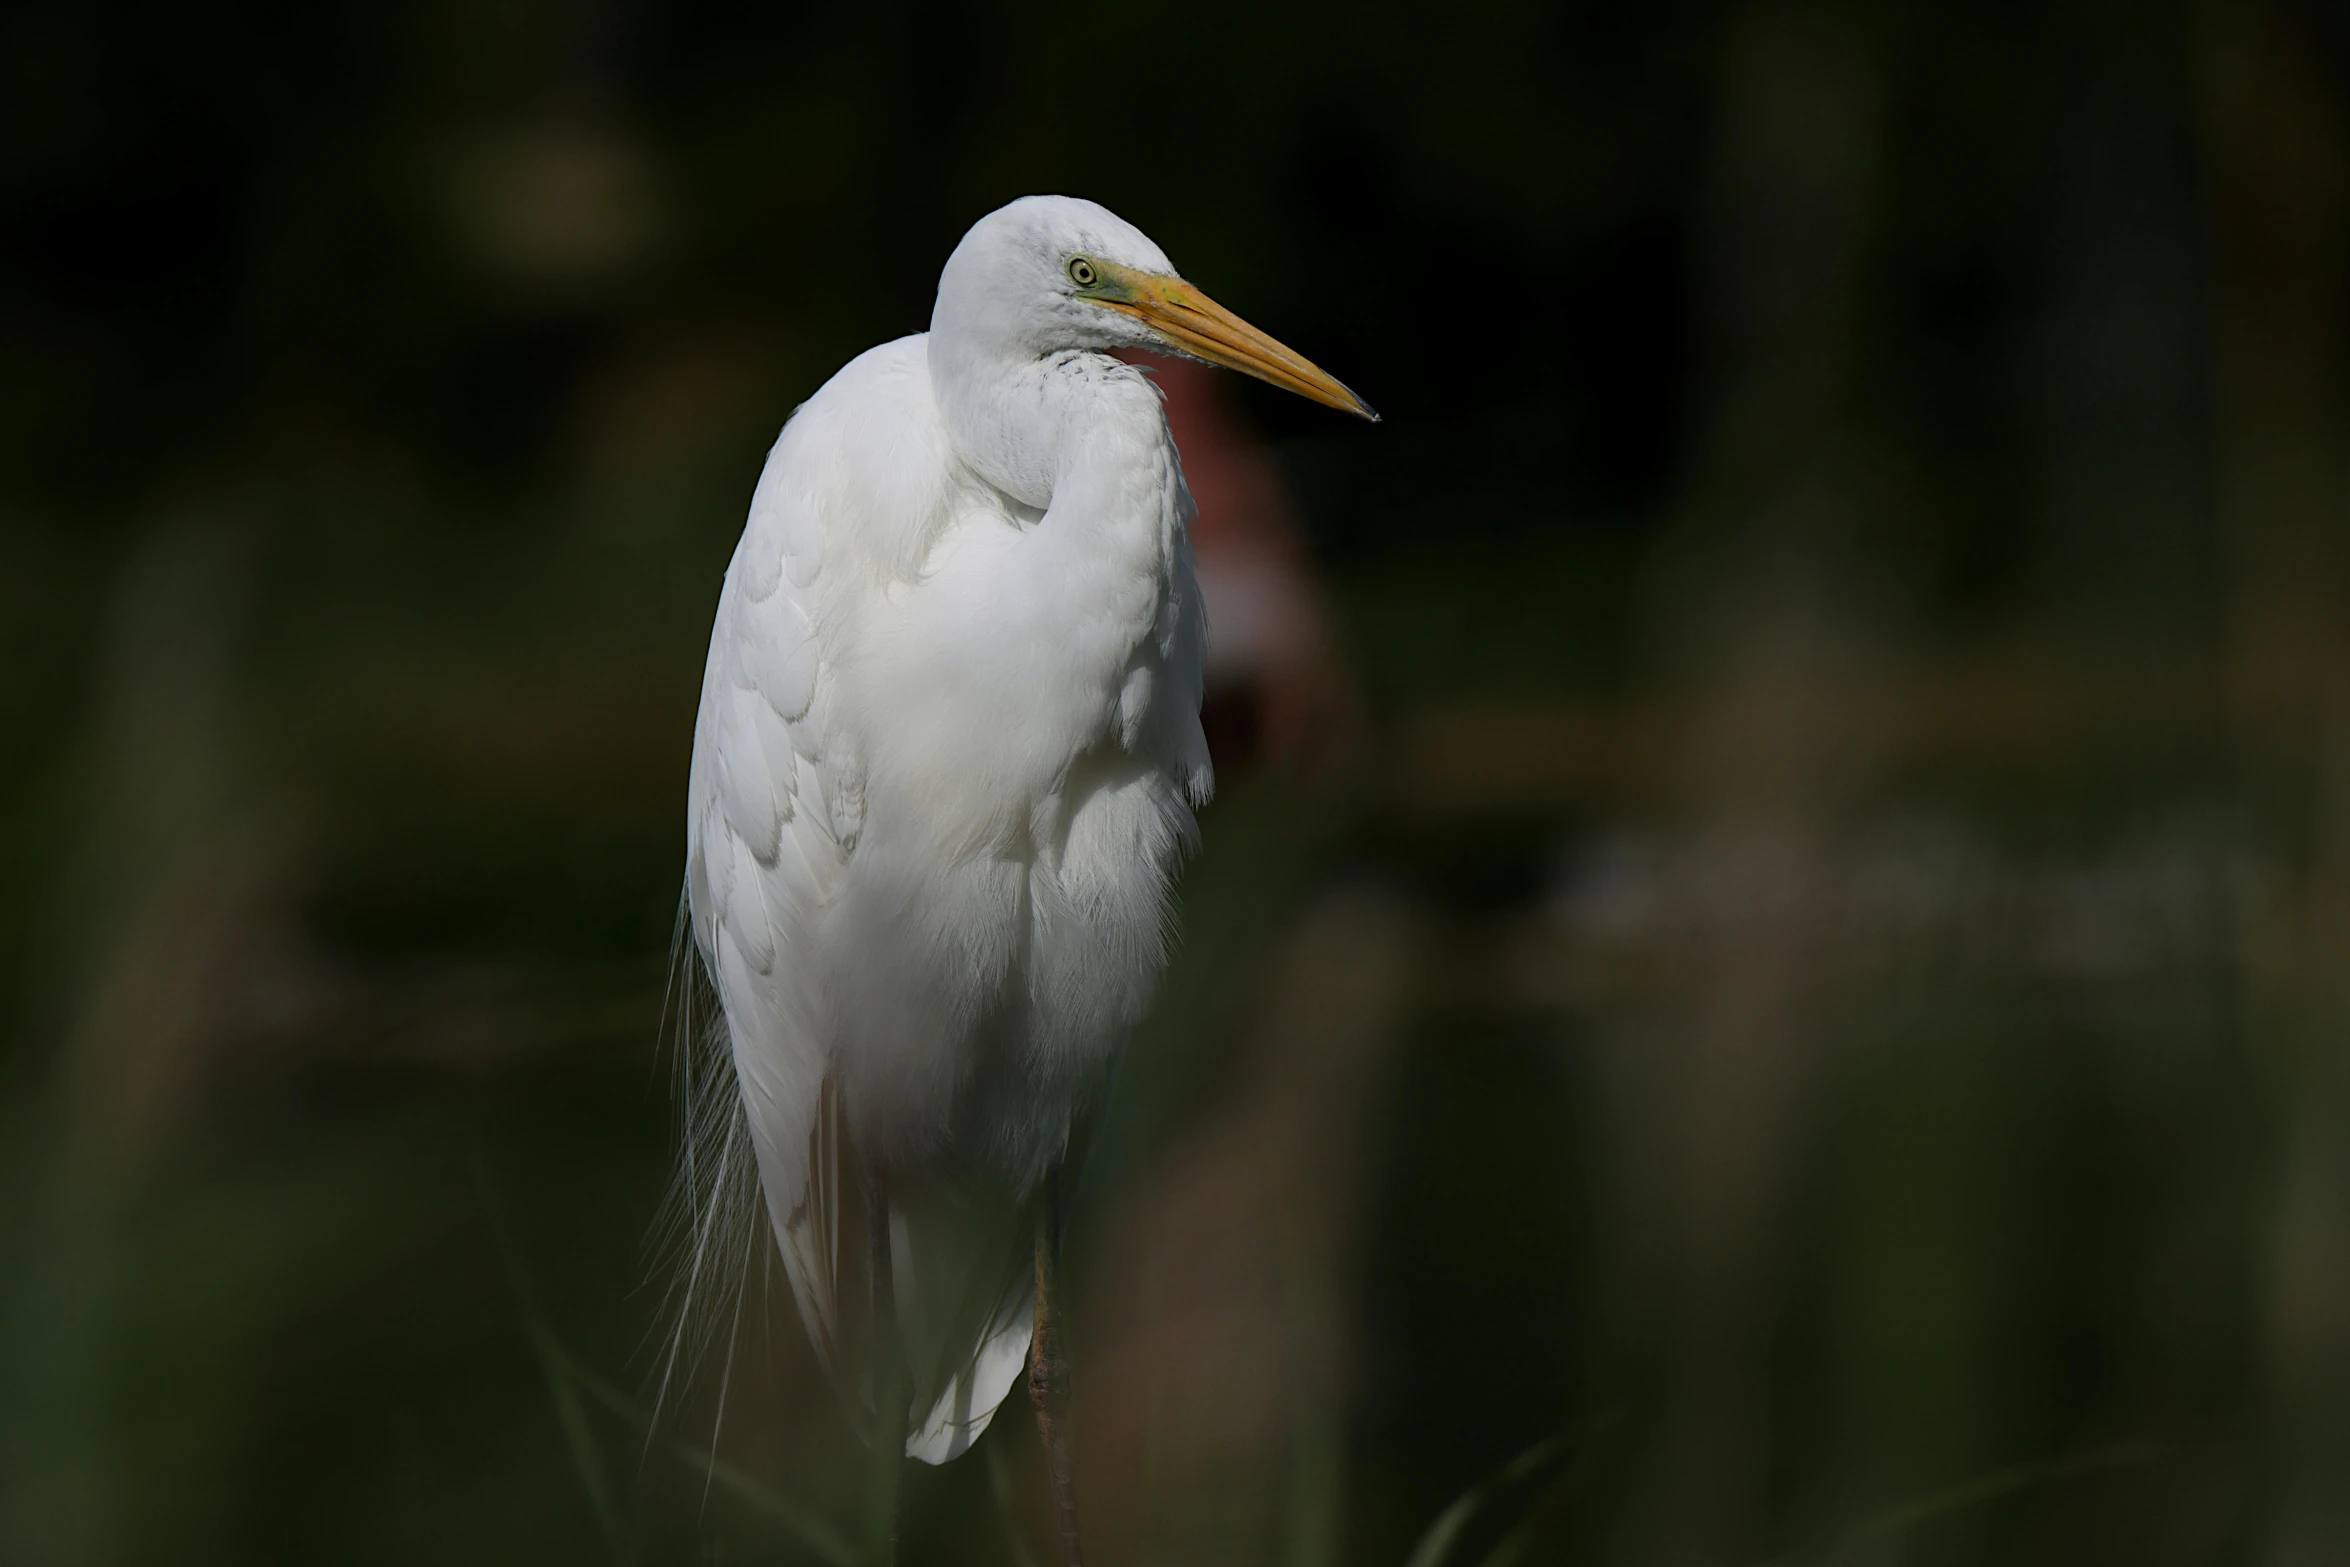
1048	273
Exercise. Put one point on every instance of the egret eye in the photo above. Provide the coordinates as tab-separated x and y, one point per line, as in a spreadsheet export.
1081	272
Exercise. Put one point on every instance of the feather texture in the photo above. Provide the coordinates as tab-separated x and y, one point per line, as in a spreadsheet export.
946	758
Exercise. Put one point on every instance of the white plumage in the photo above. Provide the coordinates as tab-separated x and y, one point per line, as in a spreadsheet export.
945	763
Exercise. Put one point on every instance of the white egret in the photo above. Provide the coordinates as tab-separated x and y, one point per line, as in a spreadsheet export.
946	760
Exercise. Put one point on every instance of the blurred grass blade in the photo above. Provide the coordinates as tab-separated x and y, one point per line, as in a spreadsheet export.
819	1537
1502	1499
578	1436
1512	1549
1997	1485
568	1376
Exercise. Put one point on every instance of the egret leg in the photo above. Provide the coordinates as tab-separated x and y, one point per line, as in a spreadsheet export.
889	1385
1048	1375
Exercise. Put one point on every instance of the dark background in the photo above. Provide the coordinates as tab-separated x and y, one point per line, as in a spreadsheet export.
1825	980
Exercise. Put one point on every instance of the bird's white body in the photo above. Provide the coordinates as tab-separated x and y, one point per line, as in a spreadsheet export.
945	763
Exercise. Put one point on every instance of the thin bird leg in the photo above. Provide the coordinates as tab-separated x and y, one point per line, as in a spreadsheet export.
1048	1375
889	1384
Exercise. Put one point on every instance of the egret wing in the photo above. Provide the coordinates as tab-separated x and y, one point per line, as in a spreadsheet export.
853	488
772	825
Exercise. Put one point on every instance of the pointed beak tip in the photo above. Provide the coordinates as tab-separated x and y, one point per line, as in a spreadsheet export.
1190	323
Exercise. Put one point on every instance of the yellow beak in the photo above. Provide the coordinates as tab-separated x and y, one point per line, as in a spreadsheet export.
1197	325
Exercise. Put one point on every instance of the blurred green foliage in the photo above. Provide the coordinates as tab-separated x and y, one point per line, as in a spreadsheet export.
1825	983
